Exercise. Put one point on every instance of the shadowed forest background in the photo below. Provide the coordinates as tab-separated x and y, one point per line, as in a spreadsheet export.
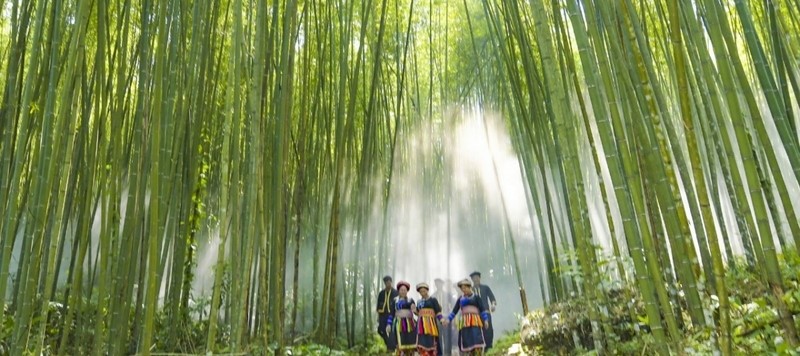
237	175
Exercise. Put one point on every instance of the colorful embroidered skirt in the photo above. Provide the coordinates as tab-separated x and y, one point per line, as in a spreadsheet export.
405	331
427	330
470	332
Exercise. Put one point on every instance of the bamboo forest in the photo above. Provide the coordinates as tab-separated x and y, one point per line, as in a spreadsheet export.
254	177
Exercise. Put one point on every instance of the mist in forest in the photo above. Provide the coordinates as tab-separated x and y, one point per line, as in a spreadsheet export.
446	218
447	215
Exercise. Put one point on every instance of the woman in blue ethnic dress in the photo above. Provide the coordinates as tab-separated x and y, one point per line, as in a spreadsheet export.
430	313
474	318
401	321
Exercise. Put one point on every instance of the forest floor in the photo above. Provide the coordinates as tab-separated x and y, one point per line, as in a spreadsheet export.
564	327
561	328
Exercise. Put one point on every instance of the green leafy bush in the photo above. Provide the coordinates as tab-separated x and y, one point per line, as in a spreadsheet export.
506	342
564	327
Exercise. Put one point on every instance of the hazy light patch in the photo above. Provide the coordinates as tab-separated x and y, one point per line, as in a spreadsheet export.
446	214
203	282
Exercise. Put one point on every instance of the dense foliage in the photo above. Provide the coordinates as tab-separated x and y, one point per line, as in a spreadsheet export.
563	327
272	134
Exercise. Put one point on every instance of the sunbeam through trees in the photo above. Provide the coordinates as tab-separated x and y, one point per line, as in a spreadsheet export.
238	176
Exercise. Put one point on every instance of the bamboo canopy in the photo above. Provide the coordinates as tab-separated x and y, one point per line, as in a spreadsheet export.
256	167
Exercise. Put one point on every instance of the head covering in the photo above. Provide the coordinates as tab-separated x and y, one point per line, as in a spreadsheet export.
403	283
438	280
423	285
463	282
476	273
387	278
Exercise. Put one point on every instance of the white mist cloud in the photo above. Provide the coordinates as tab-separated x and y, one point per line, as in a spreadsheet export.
447	214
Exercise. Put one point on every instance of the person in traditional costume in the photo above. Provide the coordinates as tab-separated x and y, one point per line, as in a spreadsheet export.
401	321
489	303
474	318
445	299
385	299
430	313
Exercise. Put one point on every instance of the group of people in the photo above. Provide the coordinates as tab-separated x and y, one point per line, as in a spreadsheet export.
409	326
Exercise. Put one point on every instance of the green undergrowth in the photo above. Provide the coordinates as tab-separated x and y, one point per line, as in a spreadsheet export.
563	328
